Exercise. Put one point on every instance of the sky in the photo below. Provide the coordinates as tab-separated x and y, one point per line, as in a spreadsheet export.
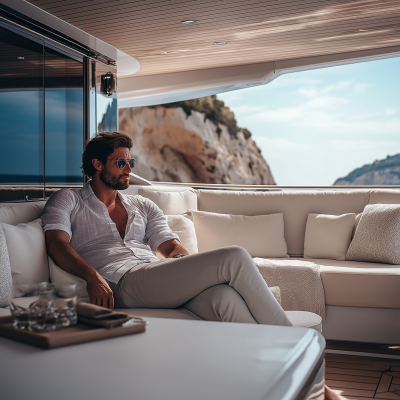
316	126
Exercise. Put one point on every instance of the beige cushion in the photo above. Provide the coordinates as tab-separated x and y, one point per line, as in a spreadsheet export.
384	196
184	228
377	238
295	207
172	203
261	235
27	252
58	275
359	284
16	213
328	236
357	221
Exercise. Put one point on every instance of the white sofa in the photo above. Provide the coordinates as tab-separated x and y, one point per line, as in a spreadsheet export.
362	299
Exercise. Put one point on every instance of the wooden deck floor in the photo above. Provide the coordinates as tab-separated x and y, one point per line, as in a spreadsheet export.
362	378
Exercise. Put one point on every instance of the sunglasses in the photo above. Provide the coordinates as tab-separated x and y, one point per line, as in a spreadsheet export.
121	162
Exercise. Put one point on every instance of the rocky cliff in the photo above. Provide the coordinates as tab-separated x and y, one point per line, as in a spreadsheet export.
178	143
380	172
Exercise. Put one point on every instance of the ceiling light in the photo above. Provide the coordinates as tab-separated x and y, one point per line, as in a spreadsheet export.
363	30
188	21
220	43
20	58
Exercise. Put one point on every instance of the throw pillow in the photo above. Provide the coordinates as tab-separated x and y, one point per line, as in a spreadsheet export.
58	275
27	252
5	272
261	235
328	236
377	236
172	203
184	228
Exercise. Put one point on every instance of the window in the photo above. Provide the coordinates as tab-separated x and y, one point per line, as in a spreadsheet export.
41	107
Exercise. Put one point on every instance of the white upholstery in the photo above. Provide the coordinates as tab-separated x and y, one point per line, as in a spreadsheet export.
183	226
384	196
357	284
358	324
58	275
16	213
261	235
27	252
362	298
328	236
295	207
172	203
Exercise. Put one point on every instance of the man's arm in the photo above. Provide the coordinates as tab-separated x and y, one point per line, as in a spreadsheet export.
58	247
171	247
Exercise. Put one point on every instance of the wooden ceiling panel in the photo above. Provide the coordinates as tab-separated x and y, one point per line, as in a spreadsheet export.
256	31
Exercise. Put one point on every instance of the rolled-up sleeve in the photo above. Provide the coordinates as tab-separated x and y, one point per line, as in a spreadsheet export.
157	229
56	214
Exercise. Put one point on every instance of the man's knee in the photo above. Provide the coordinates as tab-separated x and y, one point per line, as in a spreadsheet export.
236	252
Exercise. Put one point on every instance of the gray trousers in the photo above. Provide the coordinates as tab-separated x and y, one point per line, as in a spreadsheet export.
217	285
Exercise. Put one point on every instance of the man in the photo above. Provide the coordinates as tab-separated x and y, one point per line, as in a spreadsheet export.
103	236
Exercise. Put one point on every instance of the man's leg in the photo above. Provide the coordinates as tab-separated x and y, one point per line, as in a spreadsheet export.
220	303
173	282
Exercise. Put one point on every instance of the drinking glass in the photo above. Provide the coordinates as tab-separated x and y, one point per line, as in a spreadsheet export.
41	317
20	316
64	306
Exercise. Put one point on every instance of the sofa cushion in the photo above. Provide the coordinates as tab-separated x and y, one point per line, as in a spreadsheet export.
384	196
377	237
183	226
27	252
58	275
16	213
328	236
172	203
360	284
261	235
5	272
295	207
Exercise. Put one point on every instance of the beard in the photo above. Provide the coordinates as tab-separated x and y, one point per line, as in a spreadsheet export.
113	181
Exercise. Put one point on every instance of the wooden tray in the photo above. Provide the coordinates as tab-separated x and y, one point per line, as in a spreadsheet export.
79	333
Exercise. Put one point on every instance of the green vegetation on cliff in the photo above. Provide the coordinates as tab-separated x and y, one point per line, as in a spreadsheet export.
213	110
390	162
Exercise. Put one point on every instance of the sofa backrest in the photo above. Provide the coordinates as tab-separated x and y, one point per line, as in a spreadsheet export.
16	213
295	206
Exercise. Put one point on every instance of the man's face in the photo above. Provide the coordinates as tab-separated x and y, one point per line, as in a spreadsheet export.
111	175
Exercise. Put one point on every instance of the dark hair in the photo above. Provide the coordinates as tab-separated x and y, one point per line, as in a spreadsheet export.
101	147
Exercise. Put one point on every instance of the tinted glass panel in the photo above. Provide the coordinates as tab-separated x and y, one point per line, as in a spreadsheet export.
63	117
21	109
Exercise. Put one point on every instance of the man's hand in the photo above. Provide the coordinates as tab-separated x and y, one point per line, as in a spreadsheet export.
99	292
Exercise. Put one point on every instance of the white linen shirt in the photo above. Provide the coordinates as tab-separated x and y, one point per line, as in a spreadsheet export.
95	236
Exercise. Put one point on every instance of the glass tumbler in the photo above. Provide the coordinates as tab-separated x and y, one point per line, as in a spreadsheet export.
41	317
64	306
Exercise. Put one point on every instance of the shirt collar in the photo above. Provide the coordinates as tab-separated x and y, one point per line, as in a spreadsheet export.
87	191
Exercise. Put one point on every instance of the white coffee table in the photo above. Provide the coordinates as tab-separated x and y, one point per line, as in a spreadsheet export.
173	359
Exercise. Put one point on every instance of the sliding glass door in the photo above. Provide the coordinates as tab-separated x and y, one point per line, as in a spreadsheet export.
21	108
64	104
